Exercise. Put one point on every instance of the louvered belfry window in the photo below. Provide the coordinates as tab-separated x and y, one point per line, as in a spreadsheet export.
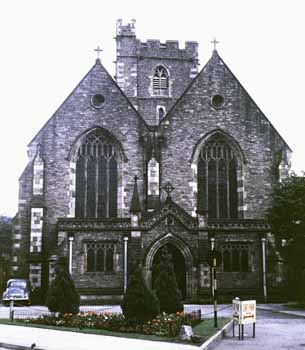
96	177
217	179
160	81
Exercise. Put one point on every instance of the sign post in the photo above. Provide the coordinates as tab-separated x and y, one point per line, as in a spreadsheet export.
244	312
214	260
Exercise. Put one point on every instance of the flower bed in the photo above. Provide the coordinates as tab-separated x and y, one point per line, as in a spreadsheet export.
163	325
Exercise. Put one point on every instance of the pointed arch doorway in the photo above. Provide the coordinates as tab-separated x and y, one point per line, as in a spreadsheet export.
179	266
183	263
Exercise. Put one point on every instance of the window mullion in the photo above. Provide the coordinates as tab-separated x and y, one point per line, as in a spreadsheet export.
105	257
107	188
96	185
228	188
217	188
207	184
85	188
95	258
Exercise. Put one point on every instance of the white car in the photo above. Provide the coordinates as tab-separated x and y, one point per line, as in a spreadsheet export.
18	290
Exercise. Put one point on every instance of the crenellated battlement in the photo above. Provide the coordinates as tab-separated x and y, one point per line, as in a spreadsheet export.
130	45
126	30
137	75
154	48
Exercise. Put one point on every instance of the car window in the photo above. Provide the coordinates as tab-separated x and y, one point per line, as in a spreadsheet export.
18	284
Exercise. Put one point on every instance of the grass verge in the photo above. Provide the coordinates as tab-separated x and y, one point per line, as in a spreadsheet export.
295	306
204	330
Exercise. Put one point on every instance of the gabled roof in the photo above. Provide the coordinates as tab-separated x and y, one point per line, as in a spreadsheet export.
97	64
169	208
216	59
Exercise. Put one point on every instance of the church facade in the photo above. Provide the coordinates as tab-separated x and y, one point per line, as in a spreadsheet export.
160	155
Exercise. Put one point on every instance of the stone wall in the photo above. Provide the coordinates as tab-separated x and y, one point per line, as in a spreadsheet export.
136	62
194	117
58	139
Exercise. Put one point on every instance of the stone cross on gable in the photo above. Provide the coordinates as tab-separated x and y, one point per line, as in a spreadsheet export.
98	50
215	42
168	188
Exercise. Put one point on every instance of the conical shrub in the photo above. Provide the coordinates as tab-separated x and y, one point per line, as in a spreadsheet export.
62	296
140	304
166	286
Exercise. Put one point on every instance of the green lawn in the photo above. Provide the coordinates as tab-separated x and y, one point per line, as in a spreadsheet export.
204	329
296	306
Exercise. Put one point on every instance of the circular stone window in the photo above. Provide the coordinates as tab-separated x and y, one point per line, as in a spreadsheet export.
97	101
217	101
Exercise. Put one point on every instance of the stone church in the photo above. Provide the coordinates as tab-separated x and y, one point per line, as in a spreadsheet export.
160	155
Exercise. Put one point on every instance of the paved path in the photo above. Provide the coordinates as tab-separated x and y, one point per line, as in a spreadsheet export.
59	340
274	331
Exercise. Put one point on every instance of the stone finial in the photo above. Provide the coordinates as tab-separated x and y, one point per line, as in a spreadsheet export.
135	207
128	29
214	42
168	188
98	51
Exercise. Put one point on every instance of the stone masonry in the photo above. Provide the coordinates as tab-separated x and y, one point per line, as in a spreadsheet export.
158	136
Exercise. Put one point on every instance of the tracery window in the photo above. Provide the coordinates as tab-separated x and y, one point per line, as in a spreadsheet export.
96	177
160	81
100	256
217	179
235	257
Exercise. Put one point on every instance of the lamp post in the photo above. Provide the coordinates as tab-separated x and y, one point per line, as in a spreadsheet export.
214	260
263	240
125	262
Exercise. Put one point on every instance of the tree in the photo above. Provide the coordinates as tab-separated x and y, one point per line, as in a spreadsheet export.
140	304
166	285
287	219
62	296
6	232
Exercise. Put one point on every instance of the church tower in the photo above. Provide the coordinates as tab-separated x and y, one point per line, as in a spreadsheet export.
152	74
97	186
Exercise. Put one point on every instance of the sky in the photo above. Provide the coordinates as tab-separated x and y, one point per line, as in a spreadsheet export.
47	46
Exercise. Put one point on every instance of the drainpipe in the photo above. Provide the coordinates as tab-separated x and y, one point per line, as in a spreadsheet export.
263	240
71	239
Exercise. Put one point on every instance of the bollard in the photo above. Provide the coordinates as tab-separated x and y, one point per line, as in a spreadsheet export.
11	310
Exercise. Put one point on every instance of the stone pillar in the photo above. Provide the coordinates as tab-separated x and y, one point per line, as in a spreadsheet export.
212	241
203	268
153	183
36	230
263	242
52	263
125	262
71	239
38	170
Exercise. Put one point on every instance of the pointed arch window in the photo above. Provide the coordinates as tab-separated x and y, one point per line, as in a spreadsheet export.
100	256
235	257
96	177
160	81
226	257
217	179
